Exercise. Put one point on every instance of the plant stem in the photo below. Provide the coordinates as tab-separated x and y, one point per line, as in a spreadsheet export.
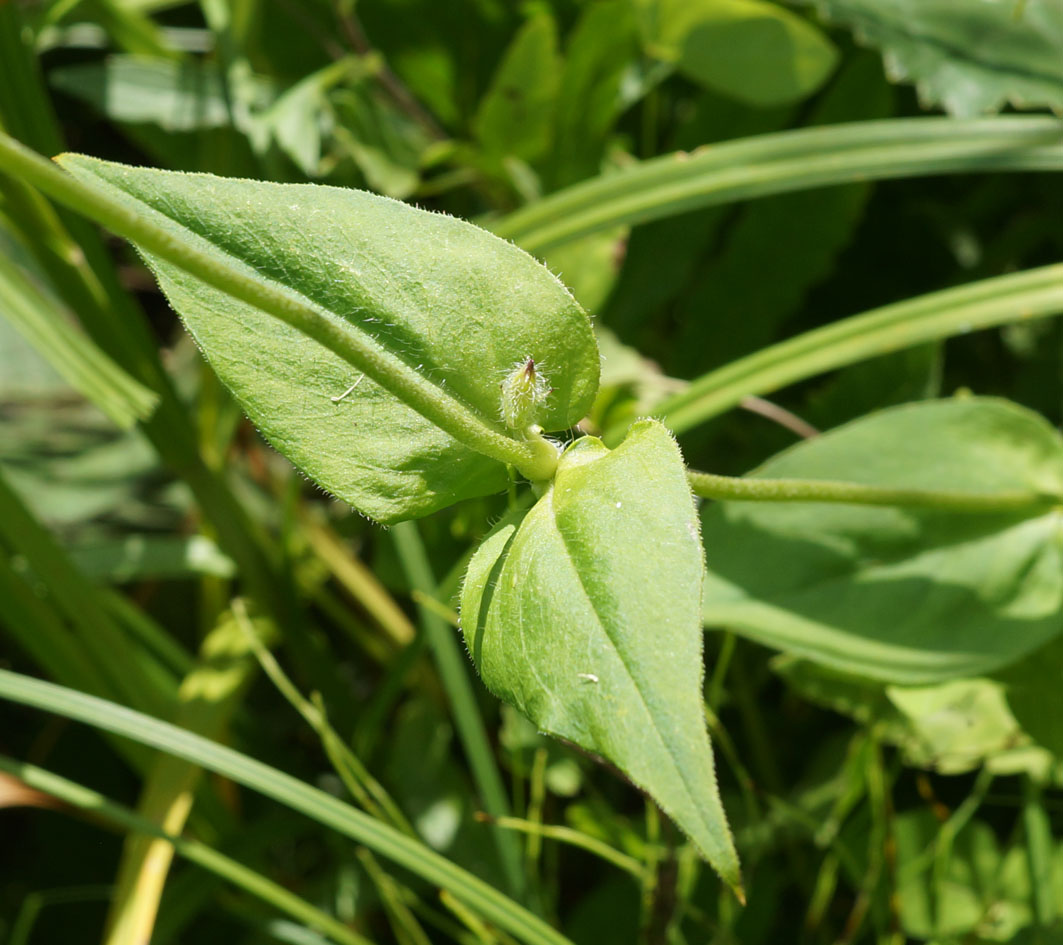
535	459
733	489
573	838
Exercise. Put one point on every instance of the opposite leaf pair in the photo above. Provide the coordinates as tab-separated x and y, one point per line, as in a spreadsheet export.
586	613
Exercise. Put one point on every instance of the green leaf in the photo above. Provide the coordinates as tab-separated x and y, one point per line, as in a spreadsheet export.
384	141
999	300
106	811
602	49
757	53
978	888
48	328
772	235
177	96
517	113
585	617
445	299
950	728
777	163
1033	694
900	594
969	56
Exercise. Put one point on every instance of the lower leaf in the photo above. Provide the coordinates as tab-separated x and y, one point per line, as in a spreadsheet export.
585	616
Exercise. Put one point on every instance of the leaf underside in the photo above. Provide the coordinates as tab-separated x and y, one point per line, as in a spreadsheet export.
585	617
454	302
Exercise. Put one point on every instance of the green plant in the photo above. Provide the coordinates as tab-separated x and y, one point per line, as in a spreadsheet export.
408	361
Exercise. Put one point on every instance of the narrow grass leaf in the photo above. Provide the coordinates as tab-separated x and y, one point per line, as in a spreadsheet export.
271	782
785	161
252	882
75	357
1015	297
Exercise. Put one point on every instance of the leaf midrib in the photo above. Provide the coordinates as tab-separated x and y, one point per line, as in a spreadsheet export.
669	750
308	300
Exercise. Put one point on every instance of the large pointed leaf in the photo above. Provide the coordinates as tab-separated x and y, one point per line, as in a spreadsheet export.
585	617
452	301
970	56
900	594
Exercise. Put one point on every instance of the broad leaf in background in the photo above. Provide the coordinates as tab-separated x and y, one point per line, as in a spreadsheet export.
969	56
630	385
729	308
973	892
601	54
755	52
1035	696
383	141
900	594
177	96
585	617
449	299
516	115
950	727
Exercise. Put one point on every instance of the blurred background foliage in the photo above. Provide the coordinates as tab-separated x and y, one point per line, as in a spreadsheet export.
864	811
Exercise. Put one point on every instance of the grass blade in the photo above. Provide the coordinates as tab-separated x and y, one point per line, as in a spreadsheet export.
997	301
325	809
208	696
74	356
111	813
453	669
786	161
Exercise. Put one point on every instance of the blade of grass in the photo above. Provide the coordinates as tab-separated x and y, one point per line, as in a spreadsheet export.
452	666
574	838
361	784
1040	846
404	924
33	624
208	696
122	818
104	644
359	582
74	356
143	628
389	843
72	253
997	301
786	161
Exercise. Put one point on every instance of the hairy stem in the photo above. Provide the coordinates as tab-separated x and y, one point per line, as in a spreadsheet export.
729	488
